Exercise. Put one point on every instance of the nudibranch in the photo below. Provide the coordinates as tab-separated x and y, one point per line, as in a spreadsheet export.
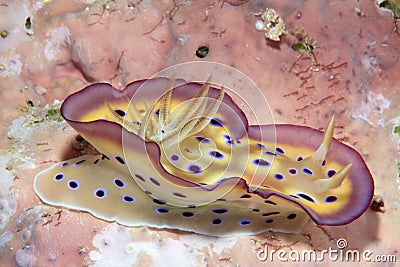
182	156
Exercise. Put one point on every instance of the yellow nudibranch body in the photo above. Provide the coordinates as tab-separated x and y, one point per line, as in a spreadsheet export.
182	156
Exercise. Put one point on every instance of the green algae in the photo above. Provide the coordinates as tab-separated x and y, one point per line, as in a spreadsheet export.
393	5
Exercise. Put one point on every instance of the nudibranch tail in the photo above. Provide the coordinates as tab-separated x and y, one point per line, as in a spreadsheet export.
334	192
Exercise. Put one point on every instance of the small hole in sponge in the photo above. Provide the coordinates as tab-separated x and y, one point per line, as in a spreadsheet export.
202	51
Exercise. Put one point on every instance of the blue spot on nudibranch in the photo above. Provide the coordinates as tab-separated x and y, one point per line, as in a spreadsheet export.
174	157
220	211
162	210
140	177
269	202
299	158
103	157
202	139
216	221
64	164
292	171
260	145
128	199
279	150
331	173
330	199
120	112
278	176
291	216
216	122
159	202
119	183
306	197
120	160
59	177
79	162
245	222
193	168
100	193
216	154
72	184
261	162
157	112
179	195
229	142
268	153
188	214
307	171
154	181
96	161
270	213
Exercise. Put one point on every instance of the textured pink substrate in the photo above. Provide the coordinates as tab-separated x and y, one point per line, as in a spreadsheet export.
74	44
